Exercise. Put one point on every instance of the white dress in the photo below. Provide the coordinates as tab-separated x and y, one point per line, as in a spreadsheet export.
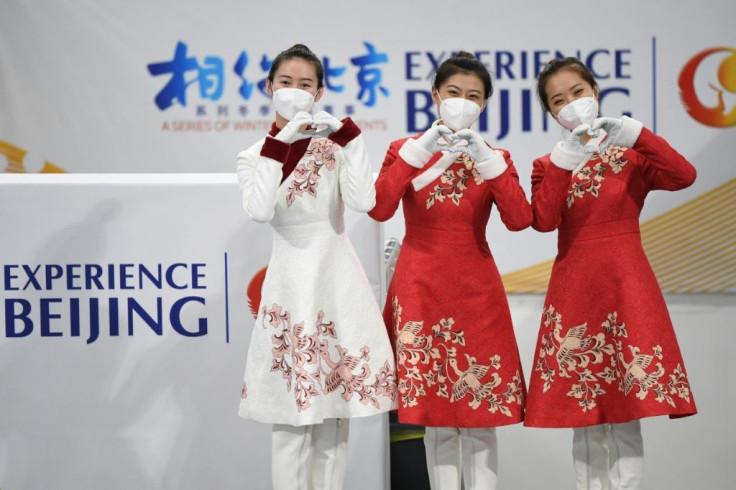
319	348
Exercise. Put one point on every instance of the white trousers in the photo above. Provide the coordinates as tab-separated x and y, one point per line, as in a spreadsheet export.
309	457
608	456
455	455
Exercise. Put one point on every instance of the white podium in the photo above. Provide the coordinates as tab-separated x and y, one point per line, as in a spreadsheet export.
125	328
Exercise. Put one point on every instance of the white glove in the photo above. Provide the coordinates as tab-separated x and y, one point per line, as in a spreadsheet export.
292	131
611	126
477	149
417	152
570	152
574	141
324	118
430	140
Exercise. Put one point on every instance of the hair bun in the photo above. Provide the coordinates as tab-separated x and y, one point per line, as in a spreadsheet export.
466	63
464	54
300	47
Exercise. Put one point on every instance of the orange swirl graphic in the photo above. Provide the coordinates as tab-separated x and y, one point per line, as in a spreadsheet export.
15	155
711	116
674	242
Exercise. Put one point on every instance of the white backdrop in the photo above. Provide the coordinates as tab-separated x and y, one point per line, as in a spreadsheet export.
76	89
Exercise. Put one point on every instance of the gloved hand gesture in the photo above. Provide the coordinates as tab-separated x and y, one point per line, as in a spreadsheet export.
292	131
574	141
570	151
417	152
430	140
477	149
324	118
611	126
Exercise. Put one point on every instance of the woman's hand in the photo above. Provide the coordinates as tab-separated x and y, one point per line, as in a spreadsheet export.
430	140
611	126
292	131
324	118
477	149
570	151
490	163
417	152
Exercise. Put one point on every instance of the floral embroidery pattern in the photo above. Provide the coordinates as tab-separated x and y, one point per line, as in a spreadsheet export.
244	391
441	348
589	179
452	184
306	363
576	354
321	152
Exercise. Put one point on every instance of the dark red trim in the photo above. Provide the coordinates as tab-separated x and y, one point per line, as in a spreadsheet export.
274	130
347	133
288	154
275	149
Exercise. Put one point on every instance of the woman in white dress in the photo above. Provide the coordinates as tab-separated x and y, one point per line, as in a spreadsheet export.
319	352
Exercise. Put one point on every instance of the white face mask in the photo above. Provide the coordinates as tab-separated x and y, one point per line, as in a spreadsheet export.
580	111
288	101
458	113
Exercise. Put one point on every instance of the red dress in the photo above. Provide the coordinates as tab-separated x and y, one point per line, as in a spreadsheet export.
606	350
446	310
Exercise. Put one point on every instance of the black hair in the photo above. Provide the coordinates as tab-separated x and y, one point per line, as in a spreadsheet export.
298	51
570	63
463	62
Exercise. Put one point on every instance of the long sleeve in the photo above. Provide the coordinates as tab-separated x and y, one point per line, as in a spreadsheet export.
259	178
663	166
356	176
393	180
513	207
549	191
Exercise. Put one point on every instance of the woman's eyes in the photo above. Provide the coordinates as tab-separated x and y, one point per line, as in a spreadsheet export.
287	83
456	93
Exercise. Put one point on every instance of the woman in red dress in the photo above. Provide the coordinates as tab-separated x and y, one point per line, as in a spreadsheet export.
457	360
606	355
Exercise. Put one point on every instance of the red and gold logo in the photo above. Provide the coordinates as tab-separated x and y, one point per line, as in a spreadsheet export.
254	291
722	80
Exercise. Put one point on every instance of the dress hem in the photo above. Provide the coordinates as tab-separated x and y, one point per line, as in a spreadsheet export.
480	424
271	418
605	420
